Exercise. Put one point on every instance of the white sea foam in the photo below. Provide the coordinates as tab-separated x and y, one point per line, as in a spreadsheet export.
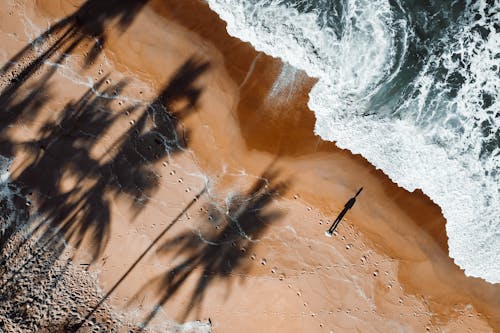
7	208
195	327
4	170
440	134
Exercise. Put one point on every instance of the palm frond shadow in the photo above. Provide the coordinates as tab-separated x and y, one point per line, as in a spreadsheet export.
62	153
221	245
87	28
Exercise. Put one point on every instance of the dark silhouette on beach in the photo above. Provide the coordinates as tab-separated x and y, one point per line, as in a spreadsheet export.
339	218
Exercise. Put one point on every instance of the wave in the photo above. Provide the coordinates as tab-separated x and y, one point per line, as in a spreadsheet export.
413	86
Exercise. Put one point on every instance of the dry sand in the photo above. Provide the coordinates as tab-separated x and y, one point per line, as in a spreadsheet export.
108	168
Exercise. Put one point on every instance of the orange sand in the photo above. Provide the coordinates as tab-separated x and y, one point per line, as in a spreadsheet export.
386	269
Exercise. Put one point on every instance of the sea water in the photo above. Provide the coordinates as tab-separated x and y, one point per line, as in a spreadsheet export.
411	85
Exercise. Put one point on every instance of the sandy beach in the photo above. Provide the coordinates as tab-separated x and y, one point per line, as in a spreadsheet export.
179	173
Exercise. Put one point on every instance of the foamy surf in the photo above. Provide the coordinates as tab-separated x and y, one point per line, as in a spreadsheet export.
412	88
7	193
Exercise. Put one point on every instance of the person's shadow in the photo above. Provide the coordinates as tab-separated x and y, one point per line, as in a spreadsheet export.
349	204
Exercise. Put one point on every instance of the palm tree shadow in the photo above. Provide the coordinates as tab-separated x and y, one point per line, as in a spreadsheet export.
221	245
86	29
88	25
73	187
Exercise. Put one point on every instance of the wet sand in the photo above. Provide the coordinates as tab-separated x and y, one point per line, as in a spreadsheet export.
250	141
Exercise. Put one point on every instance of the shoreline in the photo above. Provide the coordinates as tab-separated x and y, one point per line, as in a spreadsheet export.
233	133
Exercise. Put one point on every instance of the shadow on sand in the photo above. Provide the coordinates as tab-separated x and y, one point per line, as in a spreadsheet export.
72	186
257	73
26	89
86	28
62	153
219	247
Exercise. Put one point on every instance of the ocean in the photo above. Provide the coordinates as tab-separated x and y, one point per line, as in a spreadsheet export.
413	86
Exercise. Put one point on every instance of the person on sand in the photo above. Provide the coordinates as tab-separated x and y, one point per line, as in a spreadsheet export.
347	206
